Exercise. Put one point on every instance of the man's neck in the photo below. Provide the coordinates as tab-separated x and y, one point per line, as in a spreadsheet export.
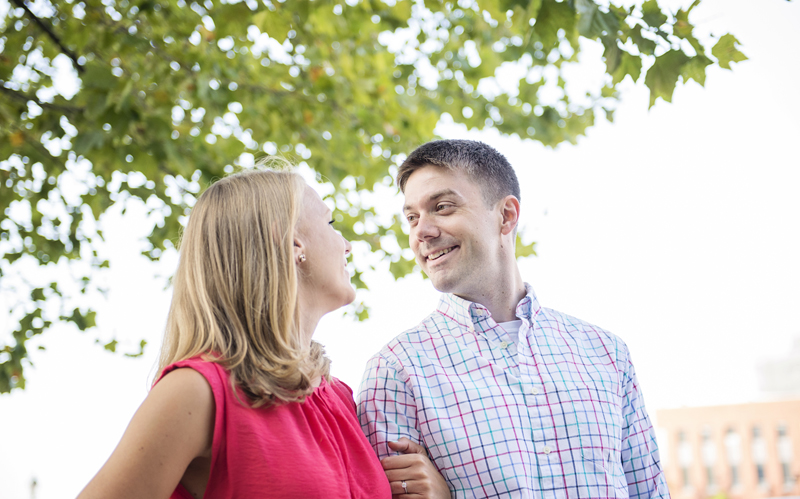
501	298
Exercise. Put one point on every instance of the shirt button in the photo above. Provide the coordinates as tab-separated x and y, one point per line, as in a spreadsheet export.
503	344
546	449
533	390
479	312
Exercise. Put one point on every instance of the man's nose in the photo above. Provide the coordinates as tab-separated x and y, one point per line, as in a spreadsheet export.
426	228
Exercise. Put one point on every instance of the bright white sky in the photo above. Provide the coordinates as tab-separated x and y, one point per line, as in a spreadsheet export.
678	229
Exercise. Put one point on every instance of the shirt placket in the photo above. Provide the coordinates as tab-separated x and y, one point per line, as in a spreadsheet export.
505	354
536	384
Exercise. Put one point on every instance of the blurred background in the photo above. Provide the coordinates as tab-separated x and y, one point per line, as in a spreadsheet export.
675	227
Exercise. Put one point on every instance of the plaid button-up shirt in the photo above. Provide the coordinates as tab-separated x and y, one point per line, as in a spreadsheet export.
558	414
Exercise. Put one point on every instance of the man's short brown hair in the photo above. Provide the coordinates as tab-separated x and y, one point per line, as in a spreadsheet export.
482	163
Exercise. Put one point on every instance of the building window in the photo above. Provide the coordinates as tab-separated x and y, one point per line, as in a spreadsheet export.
759	455
733	449
785	456
709	452
684	458
760	474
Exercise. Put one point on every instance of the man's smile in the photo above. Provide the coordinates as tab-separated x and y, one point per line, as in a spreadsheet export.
438	254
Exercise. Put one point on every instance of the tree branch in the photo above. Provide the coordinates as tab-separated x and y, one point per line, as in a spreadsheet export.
45	105
49	32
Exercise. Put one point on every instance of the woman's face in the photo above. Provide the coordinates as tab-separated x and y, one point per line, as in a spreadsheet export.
324	278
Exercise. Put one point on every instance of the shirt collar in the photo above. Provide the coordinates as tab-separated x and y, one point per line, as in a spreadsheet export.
467	313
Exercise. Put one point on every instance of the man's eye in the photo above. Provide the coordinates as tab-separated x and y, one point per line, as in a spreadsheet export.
411	218
442	207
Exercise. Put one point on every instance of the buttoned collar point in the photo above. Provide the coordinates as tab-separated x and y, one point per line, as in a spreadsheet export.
467	314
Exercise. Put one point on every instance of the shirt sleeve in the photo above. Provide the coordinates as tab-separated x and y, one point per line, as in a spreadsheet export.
640	458
386	406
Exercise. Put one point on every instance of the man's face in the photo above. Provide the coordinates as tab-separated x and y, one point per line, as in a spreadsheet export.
454	235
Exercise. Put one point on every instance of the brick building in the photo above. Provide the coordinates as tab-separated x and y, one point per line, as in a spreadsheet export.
745	451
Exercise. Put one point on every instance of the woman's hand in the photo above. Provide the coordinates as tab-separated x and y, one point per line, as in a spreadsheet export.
413	468
173	427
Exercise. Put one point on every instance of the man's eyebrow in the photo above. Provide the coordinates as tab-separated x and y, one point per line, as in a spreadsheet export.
436	195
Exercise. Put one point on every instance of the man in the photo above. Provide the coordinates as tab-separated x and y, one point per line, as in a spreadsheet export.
510	399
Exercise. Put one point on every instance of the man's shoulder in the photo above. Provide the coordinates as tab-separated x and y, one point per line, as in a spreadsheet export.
419	337
560	324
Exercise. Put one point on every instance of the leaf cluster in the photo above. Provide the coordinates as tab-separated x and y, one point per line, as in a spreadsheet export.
104	101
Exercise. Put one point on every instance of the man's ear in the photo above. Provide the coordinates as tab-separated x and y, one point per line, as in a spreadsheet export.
509	211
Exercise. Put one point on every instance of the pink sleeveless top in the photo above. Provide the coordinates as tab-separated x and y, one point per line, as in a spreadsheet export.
313	449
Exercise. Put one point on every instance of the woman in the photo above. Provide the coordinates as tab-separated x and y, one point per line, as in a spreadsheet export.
244	405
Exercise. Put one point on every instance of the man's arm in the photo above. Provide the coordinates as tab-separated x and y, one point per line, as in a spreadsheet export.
640	457
387	409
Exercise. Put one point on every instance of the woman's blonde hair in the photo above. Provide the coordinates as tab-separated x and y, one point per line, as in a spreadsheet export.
235	289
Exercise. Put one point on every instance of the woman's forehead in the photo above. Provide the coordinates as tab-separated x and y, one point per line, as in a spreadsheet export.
312	203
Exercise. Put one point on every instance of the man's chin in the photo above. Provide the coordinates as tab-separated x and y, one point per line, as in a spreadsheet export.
443	283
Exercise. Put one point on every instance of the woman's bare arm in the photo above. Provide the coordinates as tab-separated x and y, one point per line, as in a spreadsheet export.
173	426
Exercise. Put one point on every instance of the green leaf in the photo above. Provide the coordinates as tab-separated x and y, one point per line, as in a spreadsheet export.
612	54
586	10
663	75
142	344
402	267
726	52
594	23
12	257
695	69
111	346
83	320
552	17
87	141
645	45
630	65
524	250
684	29
533	8
97	76
273	24
361	311
652	14
37	294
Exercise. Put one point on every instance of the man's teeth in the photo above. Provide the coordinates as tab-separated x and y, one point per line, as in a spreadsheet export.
436	255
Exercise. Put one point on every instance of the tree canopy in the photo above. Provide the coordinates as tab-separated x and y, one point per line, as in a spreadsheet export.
104	101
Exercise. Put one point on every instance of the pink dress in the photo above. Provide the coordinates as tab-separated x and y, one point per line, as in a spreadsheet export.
313	449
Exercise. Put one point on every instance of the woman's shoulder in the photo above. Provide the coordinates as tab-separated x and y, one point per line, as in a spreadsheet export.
185	384
342	391
215	375
341	384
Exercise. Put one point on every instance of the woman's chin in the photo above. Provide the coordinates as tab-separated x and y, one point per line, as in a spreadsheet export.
351	296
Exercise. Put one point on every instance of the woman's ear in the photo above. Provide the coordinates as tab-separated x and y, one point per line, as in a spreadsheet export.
299	251
509	211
